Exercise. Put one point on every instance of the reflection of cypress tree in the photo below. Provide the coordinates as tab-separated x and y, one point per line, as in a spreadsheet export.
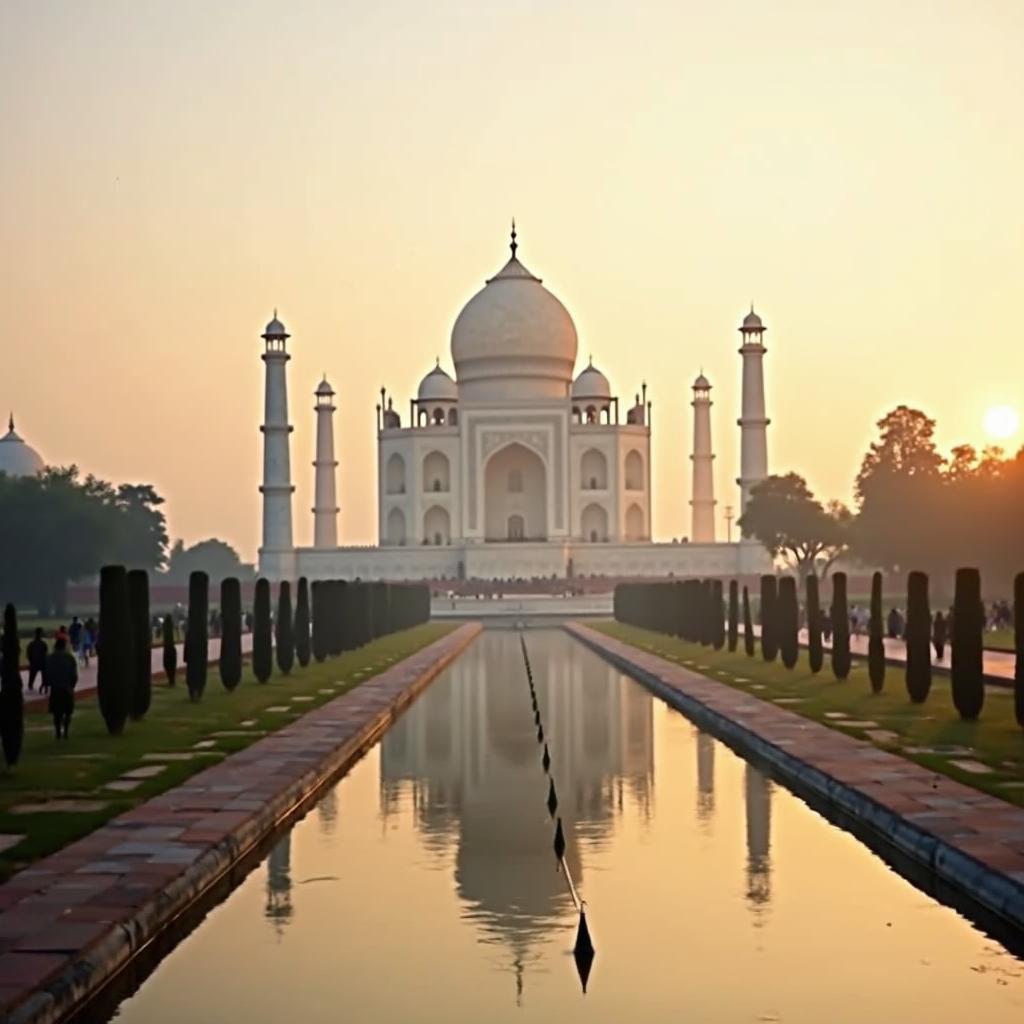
278	909
759	828
705	777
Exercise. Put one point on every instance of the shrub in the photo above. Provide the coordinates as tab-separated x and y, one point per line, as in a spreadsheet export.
1018	643
918	638
788	616
967	671
170	650
262	644
769	618
734	614
815	651
197	639
749	643
876	645
840	628
230	632
284	641
114	662
141	648
301	626
12	703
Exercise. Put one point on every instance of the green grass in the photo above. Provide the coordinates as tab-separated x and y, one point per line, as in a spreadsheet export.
79	768
995	739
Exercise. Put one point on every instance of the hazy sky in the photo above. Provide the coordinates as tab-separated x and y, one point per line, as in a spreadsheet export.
171	171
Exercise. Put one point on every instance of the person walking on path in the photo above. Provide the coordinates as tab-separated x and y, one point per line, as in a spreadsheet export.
88	644
35	651
75	634
61	676
940	631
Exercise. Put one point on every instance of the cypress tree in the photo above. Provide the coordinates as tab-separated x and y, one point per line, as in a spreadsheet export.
170	650
918	638
12	704
114	660
319	640
262	645
815	652
141	648
230	662
717	615
301	629
840	628
1018	643
734	614
769	618
197	640
788	617
749	643
876	645
284	641
967	670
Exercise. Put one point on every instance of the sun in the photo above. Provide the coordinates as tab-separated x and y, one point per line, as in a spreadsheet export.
1001	422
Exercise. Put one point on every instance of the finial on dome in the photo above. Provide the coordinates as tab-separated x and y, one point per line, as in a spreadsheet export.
514	245
437	362
591	360
10	422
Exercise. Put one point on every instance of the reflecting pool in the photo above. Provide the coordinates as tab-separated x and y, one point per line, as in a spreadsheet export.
424	887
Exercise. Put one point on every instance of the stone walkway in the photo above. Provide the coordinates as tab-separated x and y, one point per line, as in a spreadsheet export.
71	921
87	676
973	841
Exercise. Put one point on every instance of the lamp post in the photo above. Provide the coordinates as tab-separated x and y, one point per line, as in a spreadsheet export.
728	523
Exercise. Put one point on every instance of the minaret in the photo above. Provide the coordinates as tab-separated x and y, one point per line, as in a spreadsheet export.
753	423
277	552
325	508
702	529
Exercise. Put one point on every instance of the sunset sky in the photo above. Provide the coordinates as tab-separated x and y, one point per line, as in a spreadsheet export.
172	171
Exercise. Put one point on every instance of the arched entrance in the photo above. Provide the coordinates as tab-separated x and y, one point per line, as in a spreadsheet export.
436	526
594	524
515	495
396	526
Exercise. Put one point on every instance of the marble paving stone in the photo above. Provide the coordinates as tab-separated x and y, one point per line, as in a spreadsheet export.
835	714
850	723
882	735
176	756
204	744
9	839
787	700
278	708
83	757
123	785
238	732
145	772
248	722
972	767
302	698
60	807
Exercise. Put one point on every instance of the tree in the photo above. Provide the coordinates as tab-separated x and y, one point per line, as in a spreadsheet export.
787	519
749	644
262	644
717	616
197	640
302	647
876	645
967	676
170	650
137	582
734	614
918	635
218	559
318	628
284	641
231	632
769	620
815	652
1018	643
788	617
840	628
12	703
114	651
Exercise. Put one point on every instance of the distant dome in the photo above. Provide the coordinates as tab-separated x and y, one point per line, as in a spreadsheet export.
701	382
275	329
16	457
752	322
592	383
323	388
437	386
514	339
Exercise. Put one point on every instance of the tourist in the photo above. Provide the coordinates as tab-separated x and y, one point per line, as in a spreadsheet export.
940	631
75	633
60	676
87	645
36	654
61	634
92	633
894	624
826	625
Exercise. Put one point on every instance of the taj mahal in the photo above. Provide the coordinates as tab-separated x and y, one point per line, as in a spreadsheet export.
513	468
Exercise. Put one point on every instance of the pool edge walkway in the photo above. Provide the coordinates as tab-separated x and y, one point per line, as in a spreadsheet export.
971	841
72	921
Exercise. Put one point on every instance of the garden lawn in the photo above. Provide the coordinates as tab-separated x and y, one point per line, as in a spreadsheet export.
987	754
60	791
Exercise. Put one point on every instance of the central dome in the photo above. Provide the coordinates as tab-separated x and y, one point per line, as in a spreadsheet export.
513	339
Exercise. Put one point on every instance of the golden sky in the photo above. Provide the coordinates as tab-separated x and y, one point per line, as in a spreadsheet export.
172	171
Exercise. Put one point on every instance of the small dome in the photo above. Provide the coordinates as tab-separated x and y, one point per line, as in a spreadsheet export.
16	457
275	329
592	383
701	382
323	388
437	386
752	322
